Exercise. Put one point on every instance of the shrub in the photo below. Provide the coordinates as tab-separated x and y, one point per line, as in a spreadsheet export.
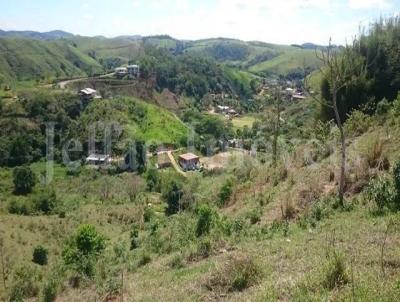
24	180
83	249
396	175
144	259
237	274
25	283
134	237
176	261
357	123
172	193
148	214
40	255
383	107
335	274
254	216
45	202
205	220
225	193
50	289
20	207
381	191
204	248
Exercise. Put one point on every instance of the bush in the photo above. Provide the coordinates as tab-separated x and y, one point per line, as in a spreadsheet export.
40	255
144	259
20	207
381	191
83	249
254	216
205	220
172	193
383	107
24	180
134	236
50	289
176	261
45	202
335	274
357	123
225	193
237	274
25	283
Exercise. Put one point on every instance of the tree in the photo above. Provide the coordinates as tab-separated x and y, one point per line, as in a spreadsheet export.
24	180
205	220
341	68
83	249
40	255
172	193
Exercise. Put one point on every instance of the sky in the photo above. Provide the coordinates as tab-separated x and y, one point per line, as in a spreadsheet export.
274	21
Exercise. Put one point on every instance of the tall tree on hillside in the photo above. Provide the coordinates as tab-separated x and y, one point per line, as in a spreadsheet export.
341	69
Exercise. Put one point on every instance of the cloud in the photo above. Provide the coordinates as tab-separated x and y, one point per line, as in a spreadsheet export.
368	4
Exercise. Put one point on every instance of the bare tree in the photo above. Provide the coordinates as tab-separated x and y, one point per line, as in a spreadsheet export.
277	125
340	67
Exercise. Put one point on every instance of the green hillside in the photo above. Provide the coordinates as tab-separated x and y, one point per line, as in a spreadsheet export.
139	120
23	59
290	61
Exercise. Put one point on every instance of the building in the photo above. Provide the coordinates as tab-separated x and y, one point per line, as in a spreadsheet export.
221	109
163	160
133	70
88	94
189	161
98	159
121	71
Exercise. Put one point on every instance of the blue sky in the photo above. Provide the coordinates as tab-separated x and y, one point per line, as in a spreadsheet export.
276	21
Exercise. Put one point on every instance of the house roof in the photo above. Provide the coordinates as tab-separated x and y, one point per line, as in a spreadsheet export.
88	91
97	157
188	156
133	66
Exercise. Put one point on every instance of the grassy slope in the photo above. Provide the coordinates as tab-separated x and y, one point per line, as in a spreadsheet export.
293	264
156	124
286	62
23	59
160	126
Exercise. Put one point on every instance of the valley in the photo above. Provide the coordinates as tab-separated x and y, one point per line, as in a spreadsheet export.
156	169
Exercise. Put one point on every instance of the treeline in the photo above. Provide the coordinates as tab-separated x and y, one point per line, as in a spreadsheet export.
379	51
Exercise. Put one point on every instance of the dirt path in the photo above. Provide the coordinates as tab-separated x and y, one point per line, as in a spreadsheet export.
175	164
63	84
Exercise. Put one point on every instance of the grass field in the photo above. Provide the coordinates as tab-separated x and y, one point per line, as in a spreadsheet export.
242	121
287	62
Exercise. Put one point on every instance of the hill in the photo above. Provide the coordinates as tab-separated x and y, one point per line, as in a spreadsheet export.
51	35
31	55
27	59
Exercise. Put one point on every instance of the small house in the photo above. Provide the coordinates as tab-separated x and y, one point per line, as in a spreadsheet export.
88	94
221	109
163	160
121	71
189	161
133	70
98	159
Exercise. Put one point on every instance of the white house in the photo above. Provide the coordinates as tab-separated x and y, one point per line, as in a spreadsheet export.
121	71
88	94
98	159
